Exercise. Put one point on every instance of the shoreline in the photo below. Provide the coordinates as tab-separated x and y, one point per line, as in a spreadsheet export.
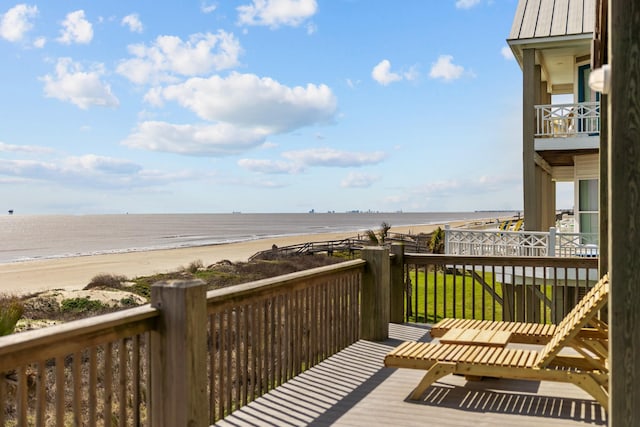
74	273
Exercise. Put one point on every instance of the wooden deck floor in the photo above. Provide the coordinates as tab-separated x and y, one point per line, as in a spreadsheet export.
353	388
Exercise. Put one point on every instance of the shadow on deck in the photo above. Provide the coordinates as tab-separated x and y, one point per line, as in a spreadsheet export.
353	388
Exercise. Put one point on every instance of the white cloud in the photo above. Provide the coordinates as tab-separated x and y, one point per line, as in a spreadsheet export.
11	181
31	149
76	29
412	74
110	165
299	161
82	88
268	145
249	101
270	166
466	4
90	171
27	168
16	22
479	186
382	73
334	158
208	8
312	28
445	69
274	13
195	140
507	53
352	84
440	188
170	56
358	180
133	22
39	42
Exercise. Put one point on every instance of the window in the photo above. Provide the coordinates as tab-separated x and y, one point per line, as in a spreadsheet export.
588	209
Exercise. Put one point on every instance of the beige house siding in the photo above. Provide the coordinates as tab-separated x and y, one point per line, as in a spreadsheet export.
587	166
563	173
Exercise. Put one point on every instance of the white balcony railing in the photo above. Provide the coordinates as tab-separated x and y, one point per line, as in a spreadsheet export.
520	243
563	120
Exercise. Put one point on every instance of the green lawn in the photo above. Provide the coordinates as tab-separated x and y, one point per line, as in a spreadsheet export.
453	295
459	295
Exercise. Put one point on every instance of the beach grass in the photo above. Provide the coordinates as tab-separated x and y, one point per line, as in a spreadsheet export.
11	310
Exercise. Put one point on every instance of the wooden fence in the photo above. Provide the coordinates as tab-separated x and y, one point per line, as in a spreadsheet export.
79	372
189	357
264	333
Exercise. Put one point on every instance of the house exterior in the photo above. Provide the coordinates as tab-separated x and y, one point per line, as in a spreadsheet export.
552	42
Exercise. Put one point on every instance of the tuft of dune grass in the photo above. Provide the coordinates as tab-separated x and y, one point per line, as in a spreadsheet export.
11	310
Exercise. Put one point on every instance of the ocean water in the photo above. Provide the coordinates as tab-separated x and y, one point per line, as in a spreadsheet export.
29	237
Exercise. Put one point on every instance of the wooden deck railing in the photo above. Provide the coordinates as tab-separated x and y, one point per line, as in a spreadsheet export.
79	372
495	288
350	245
188	358
191	357
263	333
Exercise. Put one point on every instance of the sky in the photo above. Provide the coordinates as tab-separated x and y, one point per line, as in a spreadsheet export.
259	106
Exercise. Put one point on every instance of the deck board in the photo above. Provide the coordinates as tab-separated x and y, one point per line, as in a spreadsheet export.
352	388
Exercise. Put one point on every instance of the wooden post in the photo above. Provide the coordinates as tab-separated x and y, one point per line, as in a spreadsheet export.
508	298
374	313
558	311
396	314
603	238
603	231
549	201
518	296
624	212
179	354
532	303
530	91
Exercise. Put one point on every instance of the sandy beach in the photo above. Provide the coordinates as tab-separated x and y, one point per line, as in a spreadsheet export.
77	272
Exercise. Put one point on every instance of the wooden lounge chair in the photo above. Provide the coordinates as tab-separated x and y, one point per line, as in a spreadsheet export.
588	369
504	225
518	225
521	332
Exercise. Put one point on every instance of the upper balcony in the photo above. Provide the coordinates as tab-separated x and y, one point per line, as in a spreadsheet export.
567	127
520	243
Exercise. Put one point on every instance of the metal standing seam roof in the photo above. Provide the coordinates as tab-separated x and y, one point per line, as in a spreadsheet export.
552	18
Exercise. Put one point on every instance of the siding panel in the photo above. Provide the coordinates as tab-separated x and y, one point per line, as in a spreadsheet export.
560	12
545	17
589	24
575	18
587	167
530	19
517	20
